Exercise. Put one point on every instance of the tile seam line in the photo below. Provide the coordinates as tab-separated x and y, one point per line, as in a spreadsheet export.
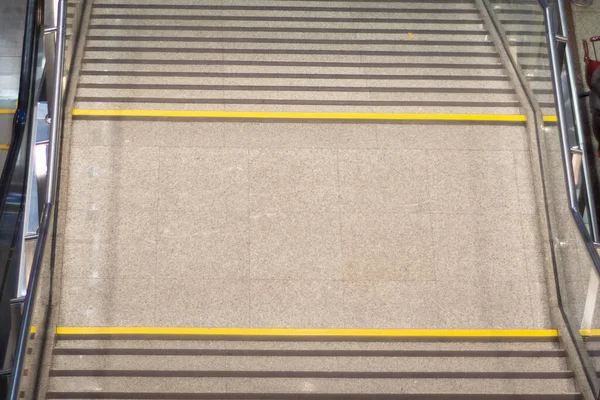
308	332
299	115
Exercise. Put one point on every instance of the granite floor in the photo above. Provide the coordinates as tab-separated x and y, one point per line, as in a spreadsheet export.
301	225
297	223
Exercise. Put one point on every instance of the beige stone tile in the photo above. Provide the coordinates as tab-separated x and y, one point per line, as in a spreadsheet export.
391	304
555	180
202	244
452	137
299	246
525	182
295	180
407	304
203	179
107	302
296	304
203	225
473	182
480	247
111	225
359	305
387	247
539	305
122	384
202	303
118	133
98	195
298	135
90	163
103	177
217	251
147	133
106	260
384	180
76	259
534	247
485	304
188	134
536	259
574	293
122	166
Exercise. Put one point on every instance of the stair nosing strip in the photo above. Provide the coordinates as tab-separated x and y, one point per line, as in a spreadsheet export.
261	88
208	50
478	32
282	19
332	64
259	75
357	42
256	338
311	396
382	103
549	353
518	375
374	10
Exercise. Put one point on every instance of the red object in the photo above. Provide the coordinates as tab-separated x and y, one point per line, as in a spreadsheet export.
591	64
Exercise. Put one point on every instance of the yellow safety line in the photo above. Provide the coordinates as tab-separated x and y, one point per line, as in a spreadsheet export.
7	111
33	329
299	115
589	332
307	332
4	146
550	118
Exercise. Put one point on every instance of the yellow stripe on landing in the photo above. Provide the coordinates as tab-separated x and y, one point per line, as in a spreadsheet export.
299	115
550	118
33	329
307	332
7	111
4	146
589	332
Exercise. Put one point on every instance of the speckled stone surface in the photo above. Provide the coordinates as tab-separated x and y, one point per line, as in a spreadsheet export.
213	229
307	223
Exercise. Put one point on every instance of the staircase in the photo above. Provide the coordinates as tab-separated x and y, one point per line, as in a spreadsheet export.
309	368
427	56
283	164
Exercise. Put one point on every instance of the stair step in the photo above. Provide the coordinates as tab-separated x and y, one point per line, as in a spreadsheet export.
464	37
299	385
307	396
386	363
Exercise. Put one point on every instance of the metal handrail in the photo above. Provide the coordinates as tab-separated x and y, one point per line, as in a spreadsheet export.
552	40
556	44
553	49
48	209
572	330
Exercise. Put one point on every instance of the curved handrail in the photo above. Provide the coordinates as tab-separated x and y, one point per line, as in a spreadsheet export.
554	40
48	207
561	112
590	242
